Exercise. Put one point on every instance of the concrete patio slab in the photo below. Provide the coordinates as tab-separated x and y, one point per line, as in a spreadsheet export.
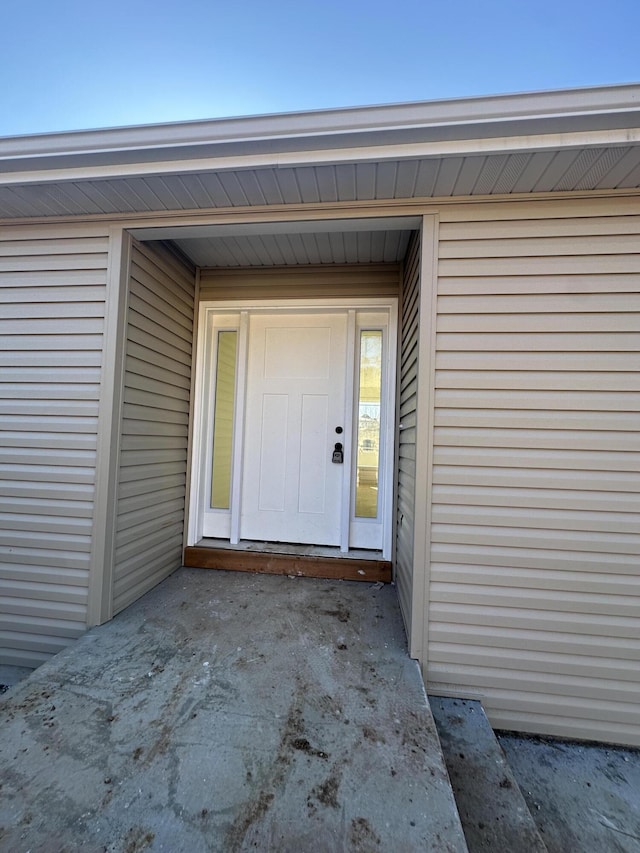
229	712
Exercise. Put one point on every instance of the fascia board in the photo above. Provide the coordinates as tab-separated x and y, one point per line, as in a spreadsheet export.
297	159
542	112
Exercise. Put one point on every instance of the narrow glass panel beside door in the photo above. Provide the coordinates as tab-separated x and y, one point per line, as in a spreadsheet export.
368	427
223	417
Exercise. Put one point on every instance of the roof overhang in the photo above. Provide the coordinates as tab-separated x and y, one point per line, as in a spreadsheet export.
583	139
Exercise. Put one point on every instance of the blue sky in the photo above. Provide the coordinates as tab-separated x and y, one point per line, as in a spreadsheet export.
71	64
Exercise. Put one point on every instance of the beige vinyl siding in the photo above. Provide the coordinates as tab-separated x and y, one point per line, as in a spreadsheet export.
52	290
406	452
153	448
308	282
535	538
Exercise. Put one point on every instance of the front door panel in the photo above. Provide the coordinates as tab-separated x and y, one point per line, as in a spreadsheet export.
291	489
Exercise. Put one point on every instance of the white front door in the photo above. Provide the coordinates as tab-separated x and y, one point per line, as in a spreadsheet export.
278	386
292	489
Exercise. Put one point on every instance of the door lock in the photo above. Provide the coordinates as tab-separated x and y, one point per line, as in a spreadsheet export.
338	453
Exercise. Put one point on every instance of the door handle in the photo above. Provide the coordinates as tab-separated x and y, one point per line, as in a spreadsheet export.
338	453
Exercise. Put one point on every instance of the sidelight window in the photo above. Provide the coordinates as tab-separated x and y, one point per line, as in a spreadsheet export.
368	423
223	418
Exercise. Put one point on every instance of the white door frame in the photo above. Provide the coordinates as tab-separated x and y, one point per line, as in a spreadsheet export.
201	405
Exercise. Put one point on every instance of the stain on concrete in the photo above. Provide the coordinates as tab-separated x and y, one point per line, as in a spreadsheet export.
326	793
255	811
329	705
362	837
257	808
137	840
341	614
373	735
303	745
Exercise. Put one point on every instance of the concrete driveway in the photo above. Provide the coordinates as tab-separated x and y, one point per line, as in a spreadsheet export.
228	712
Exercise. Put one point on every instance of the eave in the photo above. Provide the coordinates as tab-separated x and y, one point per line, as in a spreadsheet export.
587	139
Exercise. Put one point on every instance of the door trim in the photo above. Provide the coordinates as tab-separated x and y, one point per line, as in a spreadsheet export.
206	310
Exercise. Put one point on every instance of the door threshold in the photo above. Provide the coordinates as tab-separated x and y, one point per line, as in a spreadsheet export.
281	558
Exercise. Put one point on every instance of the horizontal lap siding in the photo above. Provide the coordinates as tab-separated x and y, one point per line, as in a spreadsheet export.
153	450
52	290
535	579
405	503
326	282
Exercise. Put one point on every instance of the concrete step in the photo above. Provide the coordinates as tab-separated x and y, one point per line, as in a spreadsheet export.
493	812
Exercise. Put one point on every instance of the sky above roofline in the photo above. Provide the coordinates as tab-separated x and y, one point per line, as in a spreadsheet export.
73	65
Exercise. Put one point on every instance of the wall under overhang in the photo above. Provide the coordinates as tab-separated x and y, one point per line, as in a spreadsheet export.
337	281
154	424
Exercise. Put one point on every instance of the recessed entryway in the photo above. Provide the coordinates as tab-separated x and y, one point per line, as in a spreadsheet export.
294	427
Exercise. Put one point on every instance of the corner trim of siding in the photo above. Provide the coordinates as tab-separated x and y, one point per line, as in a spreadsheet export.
418	645
192	398
100	596
396	415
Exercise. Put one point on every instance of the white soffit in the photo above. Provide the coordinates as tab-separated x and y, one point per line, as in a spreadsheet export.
339	241
350	247
586	139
